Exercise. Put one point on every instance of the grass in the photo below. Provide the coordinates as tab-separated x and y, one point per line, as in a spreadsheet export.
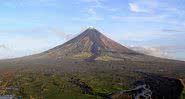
83	55
40	86
104	58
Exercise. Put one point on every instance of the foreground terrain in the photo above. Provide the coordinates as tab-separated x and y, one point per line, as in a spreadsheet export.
49	81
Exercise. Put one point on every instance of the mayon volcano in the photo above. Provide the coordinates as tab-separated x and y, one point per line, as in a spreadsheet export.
92	45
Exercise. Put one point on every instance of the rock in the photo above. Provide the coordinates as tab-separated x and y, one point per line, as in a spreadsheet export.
139	92
162	87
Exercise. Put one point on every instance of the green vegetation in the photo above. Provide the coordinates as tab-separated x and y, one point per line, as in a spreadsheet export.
104	58
55	86
39	86
83	55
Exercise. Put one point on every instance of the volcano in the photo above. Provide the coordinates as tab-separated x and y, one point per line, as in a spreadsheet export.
92	45
89	45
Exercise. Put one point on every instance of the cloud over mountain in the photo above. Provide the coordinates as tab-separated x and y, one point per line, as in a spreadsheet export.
153	51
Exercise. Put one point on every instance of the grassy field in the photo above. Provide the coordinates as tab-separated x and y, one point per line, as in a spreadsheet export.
54	86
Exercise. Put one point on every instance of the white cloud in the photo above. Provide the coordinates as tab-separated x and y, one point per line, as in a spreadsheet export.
59	32
54	30
6	52
100	4
165	51
21	45
153	51
135	8
156	11
92	10
93	15
2	46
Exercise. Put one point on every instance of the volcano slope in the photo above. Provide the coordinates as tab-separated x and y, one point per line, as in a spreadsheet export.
92	57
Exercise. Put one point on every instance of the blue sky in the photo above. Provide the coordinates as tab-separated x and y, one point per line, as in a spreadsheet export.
156	27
